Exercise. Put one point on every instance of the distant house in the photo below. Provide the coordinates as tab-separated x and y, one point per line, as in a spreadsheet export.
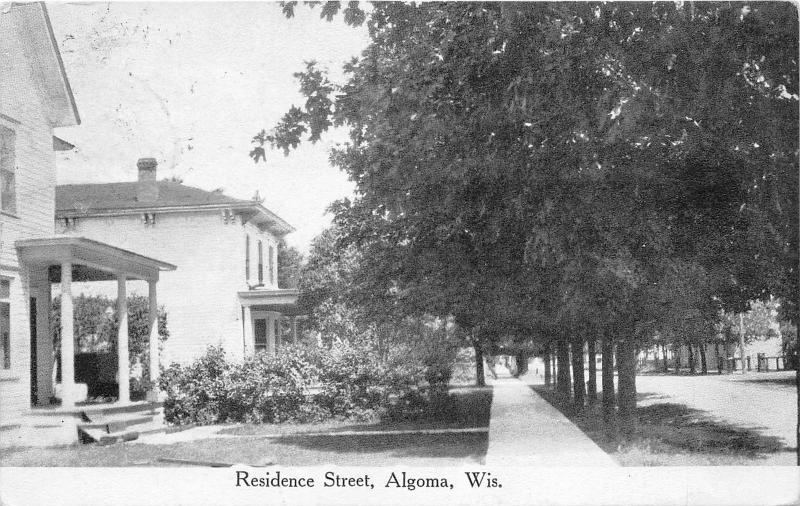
225	291
35	98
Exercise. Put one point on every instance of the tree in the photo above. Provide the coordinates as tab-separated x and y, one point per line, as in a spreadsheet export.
290	263
502	152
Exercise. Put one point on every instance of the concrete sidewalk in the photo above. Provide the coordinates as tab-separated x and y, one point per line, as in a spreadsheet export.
525	430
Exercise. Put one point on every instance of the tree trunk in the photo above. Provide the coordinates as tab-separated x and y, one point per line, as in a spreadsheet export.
563	380
677	352
591	386
608	379
626	400
728	361
578	383
547	373
522	363
480	377
741	342
716	354
703	362
666	362
692	368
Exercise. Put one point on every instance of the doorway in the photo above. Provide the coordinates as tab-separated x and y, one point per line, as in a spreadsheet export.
34	371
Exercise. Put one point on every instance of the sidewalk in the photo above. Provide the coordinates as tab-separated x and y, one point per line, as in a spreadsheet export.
524	430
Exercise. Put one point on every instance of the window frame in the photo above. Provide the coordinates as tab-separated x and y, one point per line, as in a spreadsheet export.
8	175
259	346
247	257
260	262
5	333
271	264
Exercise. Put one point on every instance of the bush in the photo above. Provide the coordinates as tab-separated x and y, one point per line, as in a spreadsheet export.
196	393
267	388
351	380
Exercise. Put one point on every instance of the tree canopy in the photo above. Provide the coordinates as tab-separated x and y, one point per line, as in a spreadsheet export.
533	166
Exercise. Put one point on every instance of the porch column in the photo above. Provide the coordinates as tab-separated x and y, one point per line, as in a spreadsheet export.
247	326
154	357
44	344
123	367
67	338
294	330
271	334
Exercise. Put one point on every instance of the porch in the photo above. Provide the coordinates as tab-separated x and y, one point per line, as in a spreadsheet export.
67	260
262	314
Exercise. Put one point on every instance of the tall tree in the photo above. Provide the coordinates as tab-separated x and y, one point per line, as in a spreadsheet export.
502	151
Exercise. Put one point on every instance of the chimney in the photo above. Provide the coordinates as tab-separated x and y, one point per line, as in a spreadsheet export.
147	190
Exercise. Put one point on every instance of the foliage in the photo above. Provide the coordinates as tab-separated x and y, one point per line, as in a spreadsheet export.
540	168
299	383
196	393
96	326
290	263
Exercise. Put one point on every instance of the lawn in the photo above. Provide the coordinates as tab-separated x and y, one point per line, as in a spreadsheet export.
384	443
674	434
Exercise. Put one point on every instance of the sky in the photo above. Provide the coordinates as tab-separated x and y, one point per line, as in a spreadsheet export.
190	84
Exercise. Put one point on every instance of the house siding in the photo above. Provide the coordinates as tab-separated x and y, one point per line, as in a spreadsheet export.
21	109
200	297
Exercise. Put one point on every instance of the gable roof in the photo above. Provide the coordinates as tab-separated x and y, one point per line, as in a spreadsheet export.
33	27
108	199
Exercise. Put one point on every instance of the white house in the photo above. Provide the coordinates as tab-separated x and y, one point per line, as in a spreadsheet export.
225	291
35	99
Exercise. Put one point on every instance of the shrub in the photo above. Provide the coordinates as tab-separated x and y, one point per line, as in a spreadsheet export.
196	393
352	380
268	388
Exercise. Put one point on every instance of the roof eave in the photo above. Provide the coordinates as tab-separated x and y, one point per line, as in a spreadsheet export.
62	69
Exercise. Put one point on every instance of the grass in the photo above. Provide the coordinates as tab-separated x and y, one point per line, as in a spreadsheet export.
289	445
670	434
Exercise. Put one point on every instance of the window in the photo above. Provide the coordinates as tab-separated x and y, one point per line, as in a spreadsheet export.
260	263
260	334
8	196
247	257
272	265
5	322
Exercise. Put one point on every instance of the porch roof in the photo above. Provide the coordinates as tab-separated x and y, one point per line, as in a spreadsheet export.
91	260
279	300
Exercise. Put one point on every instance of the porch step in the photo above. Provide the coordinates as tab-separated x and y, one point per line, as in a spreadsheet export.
130	433
117	425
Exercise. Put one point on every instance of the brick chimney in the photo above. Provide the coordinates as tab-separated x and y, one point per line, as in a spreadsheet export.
147	189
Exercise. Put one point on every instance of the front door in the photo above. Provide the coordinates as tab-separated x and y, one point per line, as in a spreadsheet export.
34	375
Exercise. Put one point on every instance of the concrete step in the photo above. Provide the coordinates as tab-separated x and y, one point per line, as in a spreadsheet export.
128	433
116	424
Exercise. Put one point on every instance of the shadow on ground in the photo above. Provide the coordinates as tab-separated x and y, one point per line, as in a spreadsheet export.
462	409
790	382
668	433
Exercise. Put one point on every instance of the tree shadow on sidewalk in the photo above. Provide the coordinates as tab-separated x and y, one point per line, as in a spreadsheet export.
669	433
